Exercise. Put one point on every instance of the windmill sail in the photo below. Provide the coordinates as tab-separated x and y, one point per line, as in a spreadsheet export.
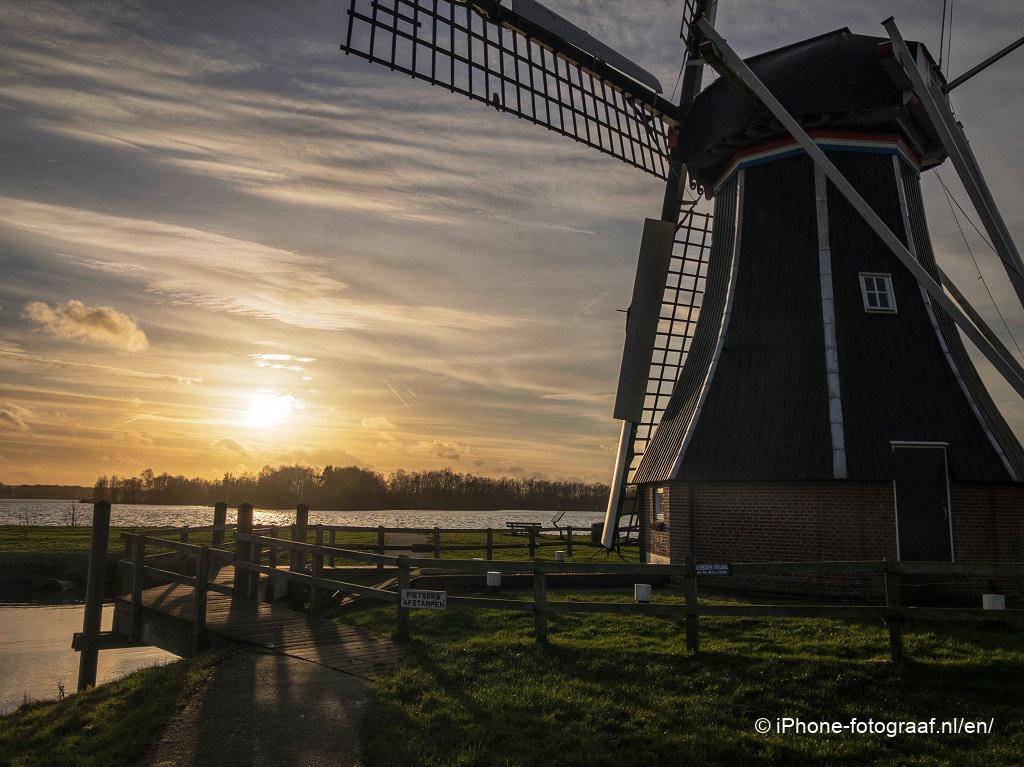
680	305
525	60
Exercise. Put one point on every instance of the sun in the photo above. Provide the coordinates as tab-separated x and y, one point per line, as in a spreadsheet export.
268	409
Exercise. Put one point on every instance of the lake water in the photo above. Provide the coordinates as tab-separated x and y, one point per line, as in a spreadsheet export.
33	512
36	655
35	640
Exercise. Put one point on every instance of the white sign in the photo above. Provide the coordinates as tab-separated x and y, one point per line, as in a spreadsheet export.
424	600
714	569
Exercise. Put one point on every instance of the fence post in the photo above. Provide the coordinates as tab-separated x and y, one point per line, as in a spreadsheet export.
533	544
490	544
183	537
402	624
271	592
437	543
242	551
568	540
540	598
89	658
300	532
380	544
138	583
199	601
334	542
692	619
315	597
894	619
220	520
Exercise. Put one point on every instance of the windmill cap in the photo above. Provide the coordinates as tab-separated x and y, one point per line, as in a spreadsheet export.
836	81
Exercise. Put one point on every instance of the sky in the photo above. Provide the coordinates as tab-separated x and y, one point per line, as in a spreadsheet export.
224	244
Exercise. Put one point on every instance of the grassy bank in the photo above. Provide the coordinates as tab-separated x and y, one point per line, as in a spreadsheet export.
611	690
109	725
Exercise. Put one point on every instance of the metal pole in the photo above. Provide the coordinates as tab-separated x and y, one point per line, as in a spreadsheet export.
402	616
89	659
983	65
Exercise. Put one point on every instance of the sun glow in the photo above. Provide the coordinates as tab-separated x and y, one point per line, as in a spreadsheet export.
267	409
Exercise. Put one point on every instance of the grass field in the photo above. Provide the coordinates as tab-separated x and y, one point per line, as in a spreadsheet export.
476	689
108	725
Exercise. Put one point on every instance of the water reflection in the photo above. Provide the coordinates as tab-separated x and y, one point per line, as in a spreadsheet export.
47	512
36	655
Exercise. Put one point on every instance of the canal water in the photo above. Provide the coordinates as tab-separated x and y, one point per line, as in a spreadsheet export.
36	656
33	512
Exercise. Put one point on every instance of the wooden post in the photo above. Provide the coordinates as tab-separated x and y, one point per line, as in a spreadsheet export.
568	541
437	543
380	544
334	542
271	592
93	613
692	619
220	520
199	601
183	537
252	588
894	620
138	583
402	625
490	544
300	532
540	598
533	544
242	551
315	596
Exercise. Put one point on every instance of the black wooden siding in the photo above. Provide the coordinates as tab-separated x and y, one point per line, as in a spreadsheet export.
895	381
765	417
989	412
766	412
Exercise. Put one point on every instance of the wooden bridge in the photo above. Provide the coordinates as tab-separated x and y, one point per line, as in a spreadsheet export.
168	621
230	597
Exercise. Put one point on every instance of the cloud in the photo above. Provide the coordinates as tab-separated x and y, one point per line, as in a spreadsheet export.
14	417
450	450
378	423
235	447
102	325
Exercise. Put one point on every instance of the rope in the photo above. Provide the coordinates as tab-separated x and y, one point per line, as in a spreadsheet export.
992	298
1009	265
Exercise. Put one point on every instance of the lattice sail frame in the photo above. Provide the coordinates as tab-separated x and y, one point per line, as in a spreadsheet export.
680	309
454	46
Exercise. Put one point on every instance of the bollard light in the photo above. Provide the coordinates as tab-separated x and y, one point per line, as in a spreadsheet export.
559	556
642	592
493	579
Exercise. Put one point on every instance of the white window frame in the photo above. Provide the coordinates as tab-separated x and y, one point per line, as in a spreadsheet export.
889	291
658	506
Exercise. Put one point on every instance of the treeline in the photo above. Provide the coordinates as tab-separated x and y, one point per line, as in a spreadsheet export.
58	492
353	488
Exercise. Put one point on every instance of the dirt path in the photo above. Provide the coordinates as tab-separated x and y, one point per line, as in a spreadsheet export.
265	710
406	539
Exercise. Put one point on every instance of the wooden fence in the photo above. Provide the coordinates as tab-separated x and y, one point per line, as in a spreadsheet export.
256	551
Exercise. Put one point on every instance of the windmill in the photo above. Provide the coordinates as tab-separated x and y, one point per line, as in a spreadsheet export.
798	346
